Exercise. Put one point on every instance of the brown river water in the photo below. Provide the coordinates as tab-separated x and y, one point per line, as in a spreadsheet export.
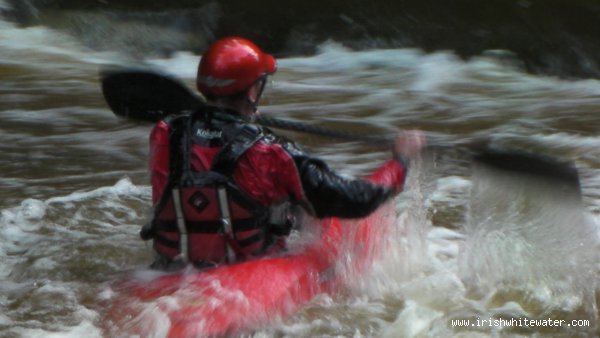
471	245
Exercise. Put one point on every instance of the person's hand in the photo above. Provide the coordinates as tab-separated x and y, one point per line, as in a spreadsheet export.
409	144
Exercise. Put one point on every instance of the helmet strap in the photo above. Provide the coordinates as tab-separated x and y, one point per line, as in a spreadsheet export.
254	103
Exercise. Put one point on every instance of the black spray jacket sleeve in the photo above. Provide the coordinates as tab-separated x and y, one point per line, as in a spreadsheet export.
330	194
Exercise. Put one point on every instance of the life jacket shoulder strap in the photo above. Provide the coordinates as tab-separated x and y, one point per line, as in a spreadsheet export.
244	137
241	139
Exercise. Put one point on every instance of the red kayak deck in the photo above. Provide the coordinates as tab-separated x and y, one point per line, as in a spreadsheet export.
234	298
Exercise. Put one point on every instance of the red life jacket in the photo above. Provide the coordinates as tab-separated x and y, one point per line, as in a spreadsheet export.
202	216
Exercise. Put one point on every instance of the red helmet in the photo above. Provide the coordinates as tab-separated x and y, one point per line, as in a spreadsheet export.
231	65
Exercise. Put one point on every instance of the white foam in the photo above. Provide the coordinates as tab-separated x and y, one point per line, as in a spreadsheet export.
18	227
181	64
436	70
124	187
451	190
154	322
17	45
5	320
584	144
531	241
45	263
413	321
334	57
85	329
32	209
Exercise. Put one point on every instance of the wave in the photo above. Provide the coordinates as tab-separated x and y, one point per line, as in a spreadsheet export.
555	37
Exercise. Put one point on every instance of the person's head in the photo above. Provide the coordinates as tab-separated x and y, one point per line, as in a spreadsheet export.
233	72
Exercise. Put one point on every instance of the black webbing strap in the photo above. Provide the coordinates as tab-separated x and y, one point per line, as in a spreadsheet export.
245	137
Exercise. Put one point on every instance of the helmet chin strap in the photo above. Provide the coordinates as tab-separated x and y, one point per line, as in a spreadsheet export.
254	103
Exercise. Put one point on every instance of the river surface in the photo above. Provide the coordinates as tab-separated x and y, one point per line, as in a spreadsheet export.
470	244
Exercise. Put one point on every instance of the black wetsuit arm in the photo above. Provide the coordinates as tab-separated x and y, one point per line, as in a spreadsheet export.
330	194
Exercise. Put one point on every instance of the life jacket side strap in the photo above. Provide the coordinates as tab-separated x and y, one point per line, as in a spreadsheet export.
183	236
227	226
148	231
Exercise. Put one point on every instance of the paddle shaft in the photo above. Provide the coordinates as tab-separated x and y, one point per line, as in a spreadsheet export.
147	95
376	141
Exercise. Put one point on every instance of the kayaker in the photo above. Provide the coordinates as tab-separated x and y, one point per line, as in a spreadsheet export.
224	189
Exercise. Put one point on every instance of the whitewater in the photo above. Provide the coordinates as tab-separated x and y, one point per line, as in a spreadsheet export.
467	243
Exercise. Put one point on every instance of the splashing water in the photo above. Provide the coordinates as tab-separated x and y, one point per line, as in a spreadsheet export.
530	251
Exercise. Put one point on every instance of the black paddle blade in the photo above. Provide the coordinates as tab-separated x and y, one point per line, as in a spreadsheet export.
561	174
145	95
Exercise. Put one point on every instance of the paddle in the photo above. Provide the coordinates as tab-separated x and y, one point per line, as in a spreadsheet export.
563	174
146	95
